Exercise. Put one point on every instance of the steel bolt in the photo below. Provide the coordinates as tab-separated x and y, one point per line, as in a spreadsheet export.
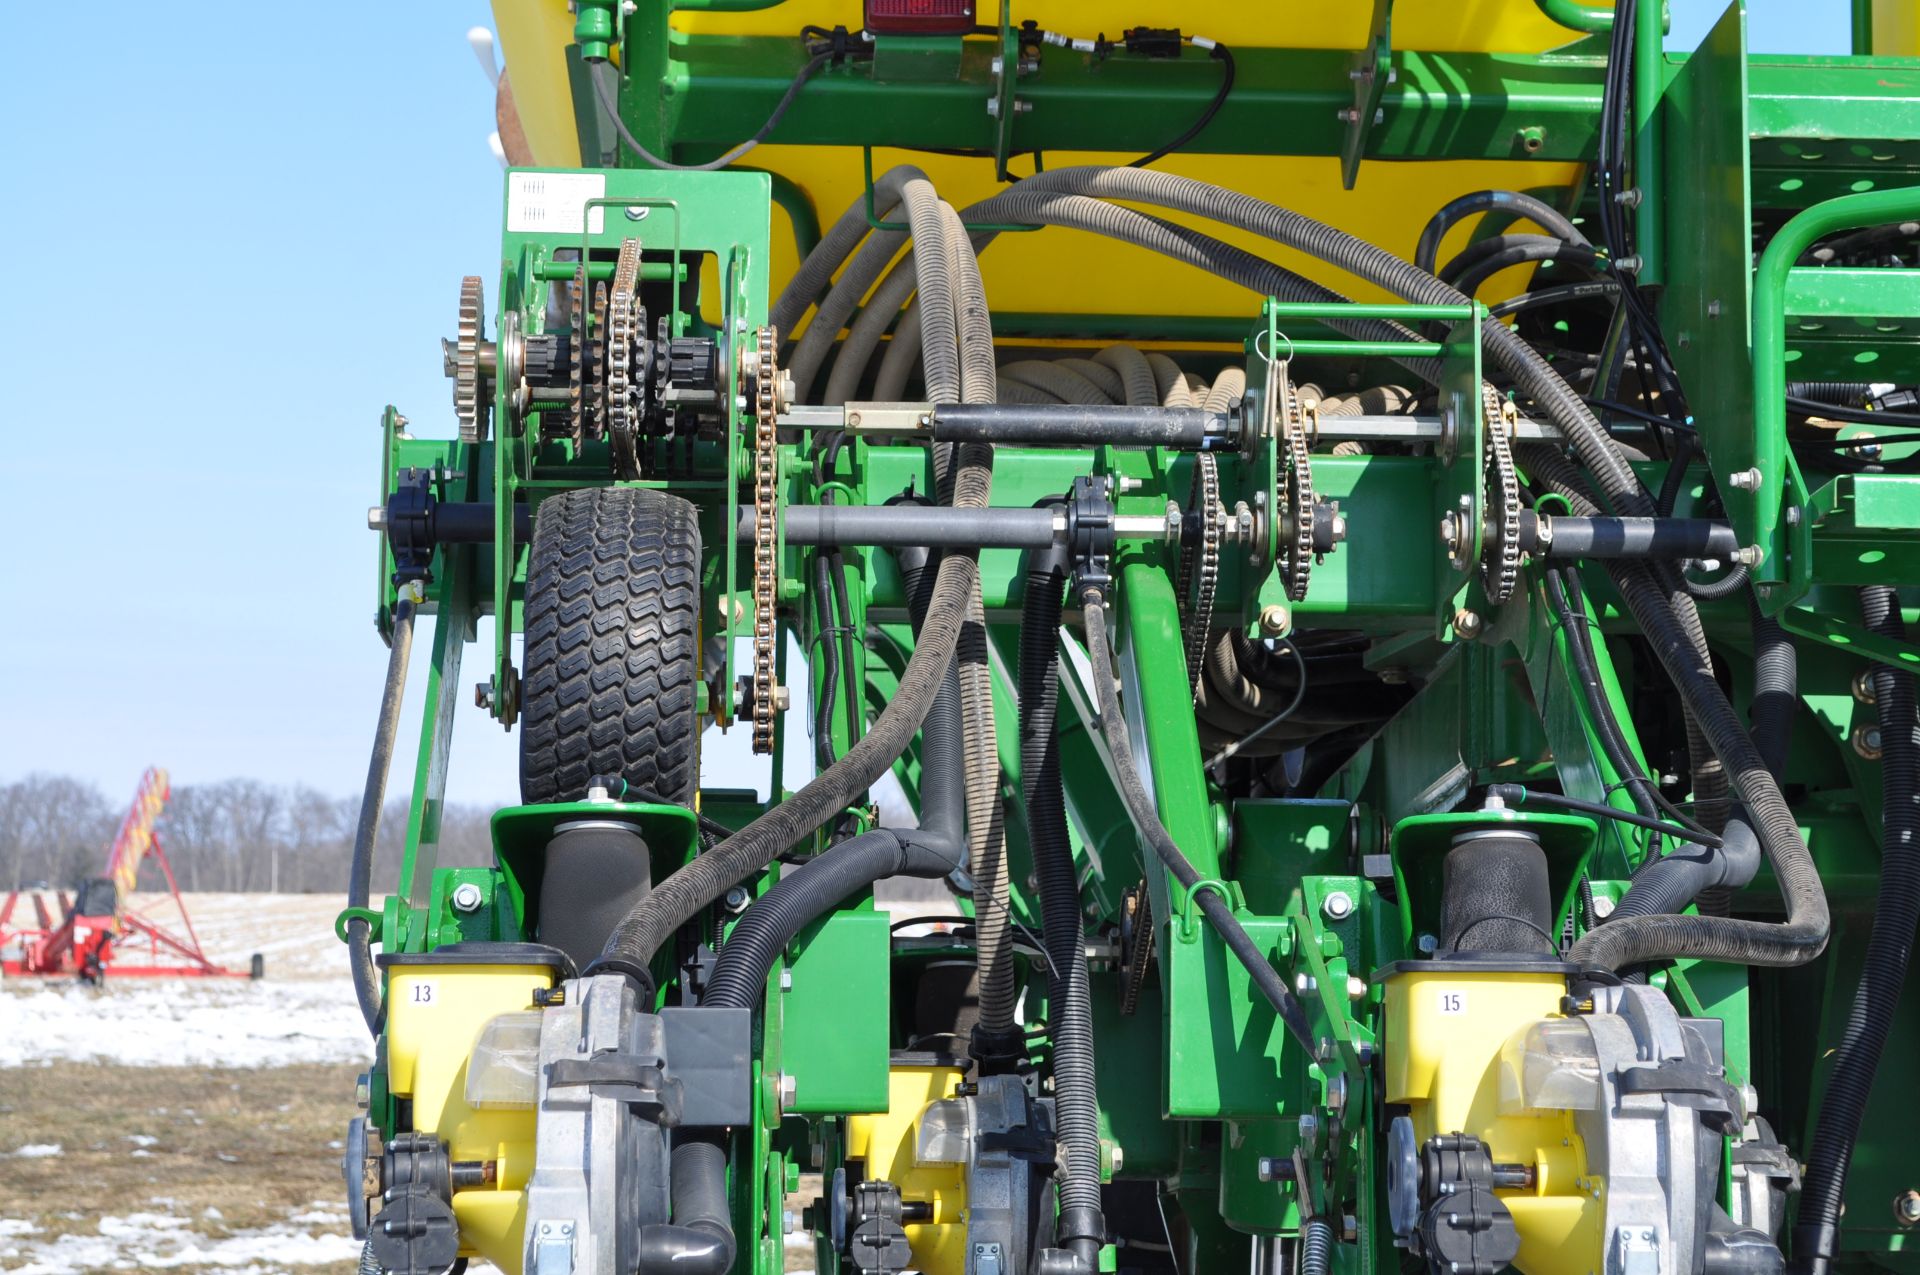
1602	907
362	1090
1309	1128
1906	1208
1866	742
1427	944
1748	555
1356	988
1304	982
483	694
1863	687
1337	906
1467	623
1271	1168
788	1222
1021	106
1745	479
1274	620
377	518
637	212
738	898
785	1091
467	897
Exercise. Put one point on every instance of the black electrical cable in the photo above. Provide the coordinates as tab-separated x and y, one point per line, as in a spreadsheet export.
1613	741
1227	72
1558	294
1520	795
829	663
612	108
1480	261
1113	727
1853	415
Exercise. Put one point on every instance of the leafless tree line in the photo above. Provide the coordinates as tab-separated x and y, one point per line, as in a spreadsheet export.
238	834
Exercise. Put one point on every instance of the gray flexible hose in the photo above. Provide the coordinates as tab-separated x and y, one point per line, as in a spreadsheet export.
865	270
1169	380
901	359
1142	389
1375	400
810	280
1062	383
882	309
939	335
366	833
1227	389
1100	374
986	817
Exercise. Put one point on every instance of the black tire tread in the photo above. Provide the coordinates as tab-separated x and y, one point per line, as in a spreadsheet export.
612	646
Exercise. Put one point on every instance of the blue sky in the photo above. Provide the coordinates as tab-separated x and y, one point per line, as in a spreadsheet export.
235	240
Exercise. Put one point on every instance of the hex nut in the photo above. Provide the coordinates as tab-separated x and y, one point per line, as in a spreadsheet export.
467	897
1337	906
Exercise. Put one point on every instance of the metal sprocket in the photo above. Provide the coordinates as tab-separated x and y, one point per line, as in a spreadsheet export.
471	407
1500	553
1296	491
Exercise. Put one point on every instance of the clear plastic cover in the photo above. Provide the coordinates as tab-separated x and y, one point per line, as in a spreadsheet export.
502	1071
943	1136
1549	1065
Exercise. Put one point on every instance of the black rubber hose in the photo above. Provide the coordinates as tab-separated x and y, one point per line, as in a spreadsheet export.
1668	884
829	663
1481	262
699	1240
366	833
1213	909
1803	935
1586	672
1510	202
680	897
1082	1225
1896	909
802	896
934	849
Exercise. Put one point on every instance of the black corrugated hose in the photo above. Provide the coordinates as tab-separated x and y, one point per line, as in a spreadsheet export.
1896	909
366	834
1082	1226
699	1240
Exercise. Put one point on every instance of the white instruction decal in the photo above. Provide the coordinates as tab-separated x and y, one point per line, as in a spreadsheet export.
551	203
1453	1002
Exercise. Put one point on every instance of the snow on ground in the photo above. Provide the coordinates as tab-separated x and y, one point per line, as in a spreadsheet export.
303	1011
165	1240
182	1023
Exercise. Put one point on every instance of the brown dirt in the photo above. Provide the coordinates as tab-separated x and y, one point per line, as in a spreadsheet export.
258	1146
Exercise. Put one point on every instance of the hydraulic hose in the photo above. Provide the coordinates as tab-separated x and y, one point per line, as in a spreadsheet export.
1108	380
1136	374
1169	381
699	1240
1896	910
677	899
1580	653
1490	256
366	833
1510	202
1212	907
1064	384
881	247
881	309
1637	940
1069	1004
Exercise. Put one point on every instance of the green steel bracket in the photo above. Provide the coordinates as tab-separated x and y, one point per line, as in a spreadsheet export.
369	915
1774	281
1190	924
1371	72
1822	626
1576	16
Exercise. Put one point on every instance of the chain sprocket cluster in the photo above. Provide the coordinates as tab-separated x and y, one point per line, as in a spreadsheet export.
761	375
1200	564
472	406
1500	554
1297	512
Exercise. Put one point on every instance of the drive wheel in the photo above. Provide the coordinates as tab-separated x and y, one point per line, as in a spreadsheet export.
612	646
